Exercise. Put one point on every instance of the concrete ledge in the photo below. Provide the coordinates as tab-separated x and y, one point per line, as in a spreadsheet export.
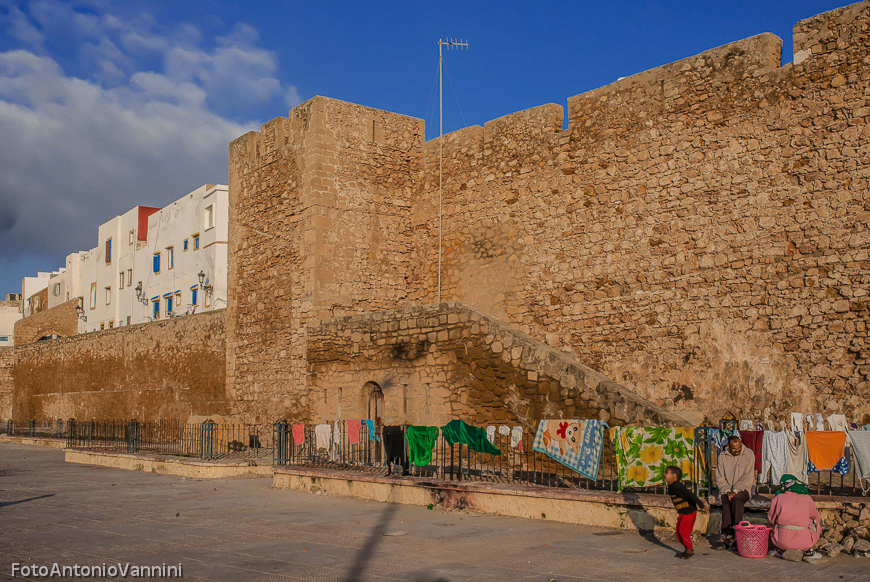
34	441
163	465
582	507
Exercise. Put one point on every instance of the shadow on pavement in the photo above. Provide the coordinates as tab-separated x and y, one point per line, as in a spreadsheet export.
362	557
645	522
8	503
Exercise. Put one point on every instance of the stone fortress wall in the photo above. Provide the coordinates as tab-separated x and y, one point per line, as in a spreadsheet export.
696	241
698	233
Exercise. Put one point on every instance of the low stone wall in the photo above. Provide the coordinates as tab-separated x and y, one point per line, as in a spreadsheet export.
191	468
7	357
846	529
160	370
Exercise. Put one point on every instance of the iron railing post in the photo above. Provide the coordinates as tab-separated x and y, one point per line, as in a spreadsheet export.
32	427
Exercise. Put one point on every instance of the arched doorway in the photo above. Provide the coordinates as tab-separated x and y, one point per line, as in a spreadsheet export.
376	403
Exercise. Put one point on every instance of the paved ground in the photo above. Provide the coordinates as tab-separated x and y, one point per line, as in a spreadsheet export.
242	530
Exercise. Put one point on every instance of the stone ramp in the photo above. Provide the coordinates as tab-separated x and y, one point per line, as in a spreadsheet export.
453	360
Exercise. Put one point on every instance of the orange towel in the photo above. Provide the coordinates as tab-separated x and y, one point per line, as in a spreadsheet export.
825	448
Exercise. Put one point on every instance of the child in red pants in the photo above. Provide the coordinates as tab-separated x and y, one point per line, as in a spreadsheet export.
687	504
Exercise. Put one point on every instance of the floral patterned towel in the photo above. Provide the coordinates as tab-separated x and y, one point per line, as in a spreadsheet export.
643	454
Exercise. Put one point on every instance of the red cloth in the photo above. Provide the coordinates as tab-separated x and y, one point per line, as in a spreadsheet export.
298	434
353	427
685	525
752	440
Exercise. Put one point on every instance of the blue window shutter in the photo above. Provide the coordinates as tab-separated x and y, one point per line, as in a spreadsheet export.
156	263
156	309
193	296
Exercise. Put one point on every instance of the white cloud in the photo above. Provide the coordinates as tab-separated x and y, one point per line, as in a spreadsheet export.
78	149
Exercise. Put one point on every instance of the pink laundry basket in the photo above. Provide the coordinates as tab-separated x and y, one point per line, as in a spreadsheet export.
751	539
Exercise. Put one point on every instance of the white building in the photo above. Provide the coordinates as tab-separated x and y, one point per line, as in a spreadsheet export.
10	312
186	238
30	286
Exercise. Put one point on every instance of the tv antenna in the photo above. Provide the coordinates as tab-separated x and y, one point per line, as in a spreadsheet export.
458	45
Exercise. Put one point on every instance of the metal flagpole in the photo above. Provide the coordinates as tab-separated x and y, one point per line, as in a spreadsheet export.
459	45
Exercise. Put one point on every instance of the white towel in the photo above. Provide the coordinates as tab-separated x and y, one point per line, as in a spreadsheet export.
796	423
838	422
747	425
810	425
797	455
504	430
774	457
820	422
323	436
490	433
516	436
860	440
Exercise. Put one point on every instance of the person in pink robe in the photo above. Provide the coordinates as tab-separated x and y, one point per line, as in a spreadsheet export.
797	524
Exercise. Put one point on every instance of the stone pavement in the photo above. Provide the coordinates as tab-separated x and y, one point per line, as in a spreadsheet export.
242	530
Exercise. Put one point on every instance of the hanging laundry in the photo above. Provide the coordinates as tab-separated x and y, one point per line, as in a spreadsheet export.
394	446
721	436
370	426
504	430
298	434
490	433
820	422
517	437
774	457
838	422
421	440
459	431
323	436
643	454
353	427
825	448
796	423
747	425
752	440
574	443
860	441
336	433
810	424
797	455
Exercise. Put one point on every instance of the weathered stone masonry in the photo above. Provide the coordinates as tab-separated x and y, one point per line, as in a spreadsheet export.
161	370
698	233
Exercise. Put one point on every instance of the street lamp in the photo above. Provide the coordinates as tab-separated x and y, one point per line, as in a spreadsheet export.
80	312
140	294
202	285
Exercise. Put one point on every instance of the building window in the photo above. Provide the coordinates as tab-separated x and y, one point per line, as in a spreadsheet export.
178	302
132	236
56	289
156	262
102	325
185	244
112	324
156	308
209	217
193	296
207	301
196	242
121	281
129	277
108	295
108	251
170	257
4	338
93	295
169	306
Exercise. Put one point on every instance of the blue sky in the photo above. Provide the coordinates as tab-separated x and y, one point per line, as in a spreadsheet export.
106	105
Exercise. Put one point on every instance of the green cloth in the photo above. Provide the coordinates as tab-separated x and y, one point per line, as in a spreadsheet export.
459	431
421	439
793	484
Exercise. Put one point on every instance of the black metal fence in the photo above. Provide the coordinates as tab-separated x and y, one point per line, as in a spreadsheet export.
206	440
520	464
33	428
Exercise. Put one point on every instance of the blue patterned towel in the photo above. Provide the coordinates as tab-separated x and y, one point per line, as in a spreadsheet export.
574	443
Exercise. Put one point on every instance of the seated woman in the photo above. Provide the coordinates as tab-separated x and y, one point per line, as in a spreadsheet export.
797	524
